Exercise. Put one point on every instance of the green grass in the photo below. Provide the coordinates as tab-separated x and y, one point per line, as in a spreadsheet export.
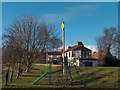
94	77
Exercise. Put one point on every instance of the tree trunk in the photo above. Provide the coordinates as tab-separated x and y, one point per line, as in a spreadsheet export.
11	76
18	74
12	72
6	80
18	71
7	74
28	67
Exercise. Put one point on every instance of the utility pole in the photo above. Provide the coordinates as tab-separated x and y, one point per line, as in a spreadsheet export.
63	45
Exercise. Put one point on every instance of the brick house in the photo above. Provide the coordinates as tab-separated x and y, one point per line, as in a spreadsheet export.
99	55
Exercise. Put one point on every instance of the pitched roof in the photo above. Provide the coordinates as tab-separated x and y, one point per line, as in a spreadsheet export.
50	53
77	47
71	48
54	53
99	55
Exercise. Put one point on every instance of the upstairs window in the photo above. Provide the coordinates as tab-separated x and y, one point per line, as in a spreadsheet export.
72	54
69	54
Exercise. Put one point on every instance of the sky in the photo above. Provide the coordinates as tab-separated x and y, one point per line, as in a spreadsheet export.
84	21
0	24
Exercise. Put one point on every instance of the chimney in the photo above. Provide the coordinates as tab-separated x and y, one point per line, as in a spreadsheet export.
69	47
80	43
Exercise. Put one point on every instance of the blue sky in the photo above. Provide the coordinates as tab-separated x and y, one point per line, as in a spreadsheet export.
83	20
0	24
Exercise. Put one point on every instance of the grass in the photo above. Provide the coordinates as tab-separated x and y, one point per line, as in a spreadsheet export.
94	77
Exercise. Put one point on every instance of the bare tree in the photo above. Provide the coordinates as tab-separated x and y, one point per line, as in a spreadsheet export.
55	43
116	45
107	40
29	36
8	53
100	45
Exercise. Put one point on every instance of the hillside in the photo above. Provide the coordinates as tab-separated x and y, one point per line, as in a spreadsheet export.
98	77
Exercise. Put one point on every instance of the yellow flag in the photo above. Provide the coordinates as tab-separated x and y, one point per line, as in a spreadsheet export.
62	26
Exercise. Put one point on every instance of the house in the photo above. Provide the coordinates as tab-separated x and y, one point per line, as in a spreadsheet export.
77	51
87	62
105	58
99	55
54	55
45	57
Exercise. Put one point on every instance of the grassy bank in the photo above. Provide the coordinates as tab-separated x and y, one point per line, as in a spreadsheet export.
93	77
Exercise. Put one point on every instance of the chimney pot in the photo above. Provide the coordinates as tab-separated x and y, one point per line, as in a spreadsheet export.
69	47
80	43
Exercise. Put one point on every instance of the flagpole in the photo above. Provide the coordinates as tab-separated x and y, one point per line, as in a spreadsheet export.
63	46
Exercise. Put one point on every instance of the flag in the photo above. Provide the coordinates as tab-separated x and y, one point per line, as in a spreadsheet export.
62	26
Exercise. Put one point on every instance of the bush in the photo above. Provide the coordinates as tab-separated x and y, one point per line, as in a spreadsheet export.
107	61
55	62
60	59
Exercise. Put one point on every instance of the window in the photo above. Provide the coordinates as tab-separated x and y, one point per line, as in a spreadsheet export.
69	54
83	55
72	54
88	63
89	53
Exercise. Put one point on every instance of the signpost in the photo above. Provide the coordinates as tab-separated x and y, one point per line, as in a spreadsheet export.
63	45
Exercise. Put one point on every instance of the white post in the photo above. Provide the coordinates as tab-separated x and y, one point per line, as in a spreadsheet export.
63	46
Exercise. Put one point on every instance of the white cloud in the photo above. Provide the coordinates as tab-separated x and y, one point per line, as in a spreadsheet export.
60	48
92	47
53	18
70	13
82	7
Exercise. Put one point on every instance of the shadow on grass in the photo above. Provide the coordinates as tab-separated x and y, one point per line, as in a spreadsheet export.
64	83
93	76
35	69
30	75
99	77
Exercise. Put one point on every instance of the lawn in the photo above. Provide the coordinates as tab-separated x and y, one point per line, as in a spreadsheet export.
93	77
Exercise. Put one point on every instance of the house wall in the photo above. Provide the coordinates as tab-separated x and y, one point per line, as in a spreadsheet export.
78	54
53	57
77	63
86	54
69	55
95	63
80	62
